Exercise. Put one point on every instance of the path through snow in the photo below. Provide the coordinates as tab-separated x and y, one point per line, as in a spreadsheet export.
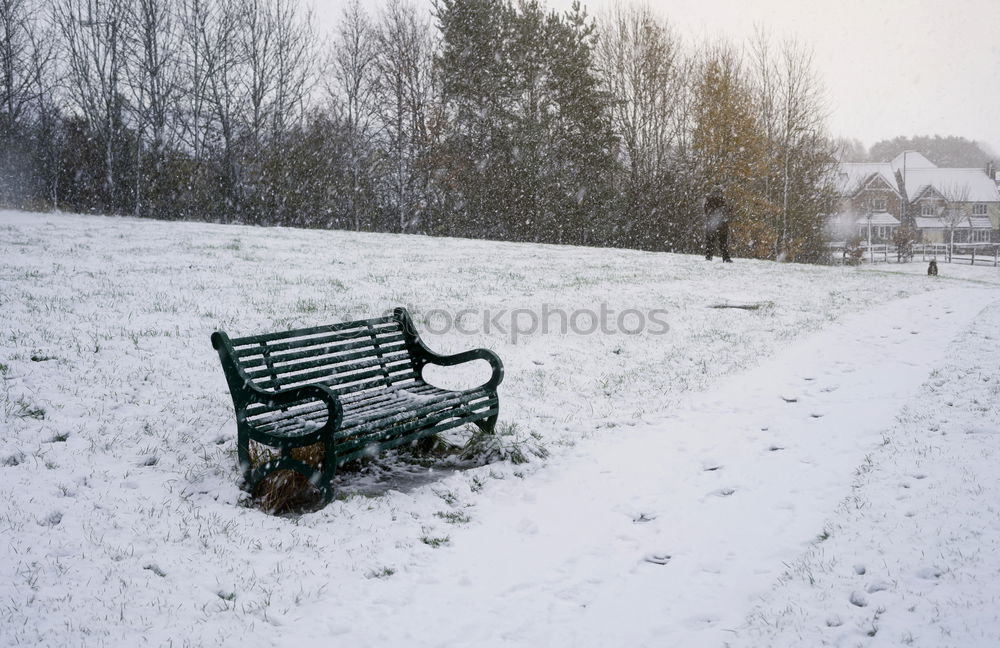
669	533
913	556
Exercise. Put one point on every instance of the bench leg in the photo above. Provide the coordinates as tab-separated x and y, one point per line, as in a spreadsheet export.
243	455
321	479
489	425
325	483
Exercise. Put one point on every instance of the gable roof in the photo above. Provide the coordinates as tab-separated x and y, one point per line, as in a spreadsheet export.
853	176
911	160
965	185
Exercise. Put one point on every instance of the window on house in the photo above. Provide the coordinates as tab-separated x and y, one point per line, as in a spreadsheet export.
878	204
926	209
881	232
979	209
981	236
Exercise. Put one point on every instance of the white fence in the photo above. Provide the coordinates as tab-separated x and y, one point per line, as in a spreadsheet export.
972	253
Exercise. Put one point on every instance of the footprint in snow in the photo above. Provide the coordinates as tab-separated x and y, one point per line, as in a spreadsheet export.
817	415
858	599
51	520
920	476
701	621
860	569
723	492
830	388
643	517
790	399
658	558
878	585
929	573
711	467
774	448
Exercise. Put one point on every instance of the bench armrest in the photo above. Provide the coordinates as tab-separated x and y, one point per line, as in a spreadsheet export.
244	392
305	393
424	355
469	356
300	394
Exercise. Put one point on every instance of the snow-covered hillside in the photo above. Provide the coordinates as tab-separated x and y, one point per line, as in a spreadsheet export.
768	447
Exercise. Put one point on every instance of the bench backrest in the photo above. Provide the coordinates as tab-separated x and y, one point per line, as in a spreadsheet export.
349	357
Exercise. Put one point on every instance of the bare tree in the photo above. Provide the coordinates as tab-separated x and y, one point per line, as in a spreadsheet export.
790	110
802	121
153	75
957	211
26	57
354	93
646	77
94	36
642	70
404	81
214	75
295	66
281	55
193	124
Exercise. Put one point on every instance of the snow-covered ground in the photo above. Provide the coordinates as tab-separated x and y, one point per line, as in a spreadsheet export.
816	466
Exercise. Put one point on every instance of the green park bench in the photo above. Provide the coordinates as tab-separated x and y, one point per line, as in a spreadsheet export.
357	388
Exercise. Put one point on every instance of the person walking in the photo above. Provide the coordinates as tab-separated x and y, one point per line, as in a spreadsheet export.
716	224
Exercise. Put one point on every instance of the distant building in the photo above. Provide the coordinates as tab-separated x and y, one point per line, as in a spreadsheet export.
912	191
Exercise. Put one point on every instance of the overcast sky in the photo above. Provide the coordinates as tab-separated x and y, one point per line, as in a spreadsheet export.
890	67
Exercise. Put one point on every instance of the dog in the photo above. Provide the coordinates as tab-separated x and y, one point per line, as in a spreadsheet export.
932	268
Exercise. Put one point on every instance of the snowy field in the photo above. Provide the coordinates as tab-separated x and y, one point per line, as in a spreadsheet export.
805	456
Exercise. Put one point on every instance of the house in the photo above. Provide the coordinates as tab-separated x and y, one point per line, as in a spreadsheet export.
941	205
867	189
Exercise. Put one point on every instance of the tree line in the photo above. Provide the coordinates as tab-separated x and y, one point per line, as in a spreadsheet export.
478	118
946	152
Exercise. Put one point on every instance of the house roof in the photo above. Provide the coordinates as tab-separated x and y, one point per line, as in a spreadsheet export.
921	176
911	160
952	184
936	222
929	222
852	176
879	218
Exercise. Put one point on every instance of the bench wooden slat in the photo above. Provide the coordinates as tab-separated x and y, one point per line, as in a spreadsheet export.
412	435
400	428
332	339
378	402
332	356
313	330
320	368
383	439
442	399
366	422
261	355
323	376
